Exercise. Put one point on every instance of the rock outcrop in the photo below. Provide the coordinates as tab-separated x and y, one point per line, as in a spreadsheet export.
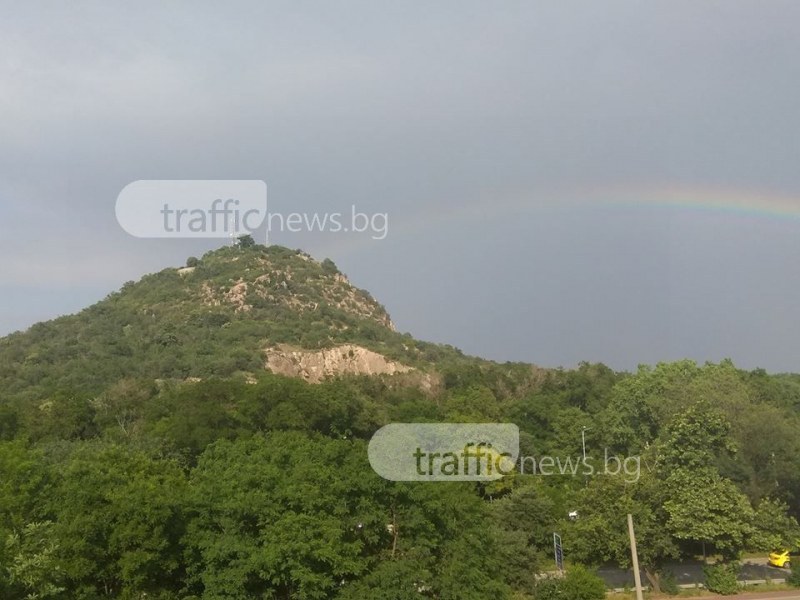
317	365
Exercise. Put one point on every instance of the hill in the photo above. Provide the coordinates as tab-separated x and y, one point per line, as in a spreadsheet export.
203	432
235	310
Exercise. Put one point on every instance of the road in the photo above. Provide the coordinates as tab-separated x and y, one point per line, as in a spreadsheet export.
689	572
787	595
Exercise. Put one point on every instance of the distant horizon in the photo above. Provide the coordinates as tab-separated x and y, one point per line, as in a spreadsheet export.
576	365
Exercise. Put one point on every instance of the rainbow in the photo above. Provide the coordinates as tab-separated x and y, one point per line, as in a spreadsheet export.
709	200
747	203
488	206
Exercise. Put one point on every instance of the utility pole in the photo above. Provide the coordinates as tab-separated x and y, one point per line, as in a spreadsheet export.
637	578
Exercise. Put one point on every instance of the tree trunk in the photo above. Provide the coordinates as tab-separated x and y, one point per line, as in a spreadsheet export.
654	579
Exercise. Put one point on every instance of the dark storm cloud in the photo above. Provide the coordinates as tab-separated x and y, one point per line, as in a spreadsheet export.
470	124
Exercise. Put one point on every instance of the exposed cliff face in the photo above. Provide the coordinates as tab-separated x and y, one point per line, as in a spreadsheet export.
316	365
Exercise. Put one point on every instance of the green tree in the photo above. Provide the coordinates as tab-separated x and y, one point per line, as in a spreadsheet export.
66	416
293	513
245	241
447	527
284	515
196	414
394	579
119	519
474	404
695	439
774	527
31	567
600	533
525	521
701	505
704	507
329	267
24	486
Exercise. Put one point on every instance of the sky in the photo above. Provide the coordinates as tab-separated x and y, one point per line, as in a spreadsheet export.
601	181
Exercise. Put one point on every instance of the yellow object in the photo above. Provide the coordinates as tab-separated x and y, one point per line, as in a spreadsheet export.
780	558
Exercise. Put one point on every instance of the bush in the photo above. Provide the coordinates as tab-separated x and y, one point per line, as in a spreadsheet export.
547	588
192	261
721	578
245	241
669	584
579	583
793	578
329	267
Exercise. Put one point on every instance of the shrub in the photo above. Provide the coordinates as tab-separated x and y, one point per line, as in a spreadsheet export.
669	584
579	583
192	261
329	267
245	241
547	588
721	578
793	578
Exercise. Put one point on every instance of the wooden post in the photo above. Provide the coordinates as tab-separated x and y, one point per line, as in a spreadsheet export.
637	578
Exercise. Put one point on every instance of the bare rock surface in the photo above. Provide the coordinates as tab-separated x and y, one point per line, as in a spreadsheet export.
316	365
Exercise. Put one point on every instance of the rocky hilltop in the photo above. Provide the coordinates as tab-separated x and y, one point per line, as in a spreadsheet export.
239	309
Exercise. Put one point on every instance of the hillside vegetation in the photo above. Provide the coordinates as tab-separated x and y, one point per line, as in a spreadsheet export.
214	318
146	451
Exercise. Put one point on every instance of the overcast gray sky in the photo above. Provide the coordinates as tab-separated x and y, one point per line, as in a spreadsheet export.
556	174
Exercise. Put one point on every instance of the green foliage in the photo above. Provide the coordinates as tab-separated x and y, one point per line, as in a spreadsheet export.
192	416
245	241
394	579
793	578
31	567
24	480
579	583
144	451
214	320
329	267
526	518
64	416
773	527
118	520
721	578
695	438
669	583
702	506
600	534
548	588
679	501
474	404
273	516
